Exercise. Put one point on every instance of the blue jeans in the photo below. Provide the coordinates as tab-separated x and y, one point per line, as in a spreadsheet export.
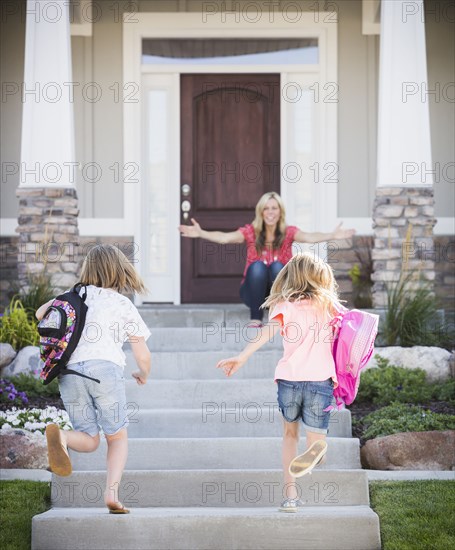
256	287
91	405
308	401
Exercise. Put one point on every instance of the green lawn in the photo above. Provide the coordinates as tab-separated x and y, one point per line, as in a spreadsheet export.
414	515
20	501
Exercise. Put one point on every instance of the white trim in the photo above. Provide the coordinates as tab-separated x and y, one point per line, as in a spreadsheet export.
82	10
158	283
444	226
214	68
137	26
88	227
115	227
371	16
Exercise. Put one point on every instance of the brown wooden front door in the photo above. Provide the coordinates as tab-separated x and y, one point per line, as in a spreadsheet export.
230	156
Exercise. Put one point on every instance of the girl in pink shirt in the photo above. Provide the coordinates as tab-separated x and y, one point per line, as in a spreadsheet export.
302	302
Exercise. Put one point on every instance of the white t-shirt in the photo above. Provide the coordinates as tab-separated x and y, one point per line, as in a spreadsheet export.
111	319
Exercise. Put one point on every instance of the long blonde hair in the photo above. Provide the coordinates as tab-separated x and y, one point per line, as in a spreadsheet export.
259	226
305	277
106	266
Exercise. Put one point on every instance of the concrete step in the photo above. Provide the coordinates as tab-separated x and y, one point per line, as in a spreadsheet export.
178	365
196	394
210	336
217	420
194	315
216	453
230	488
313	528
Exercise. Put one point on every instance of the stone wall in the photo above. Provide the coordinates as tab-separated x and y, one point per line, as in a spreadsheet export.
341	259
48	234
342	256
9	247
403	221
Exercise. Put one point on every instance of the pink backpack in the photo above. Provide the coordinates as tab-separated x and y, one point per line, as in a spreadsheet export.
354	336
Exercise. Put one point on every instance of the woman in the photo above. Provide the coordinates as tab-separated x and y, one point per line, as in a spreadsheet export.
269	247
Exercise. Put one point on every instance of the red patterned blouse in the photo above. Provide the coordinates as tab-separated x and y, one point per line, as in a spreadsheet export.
283	255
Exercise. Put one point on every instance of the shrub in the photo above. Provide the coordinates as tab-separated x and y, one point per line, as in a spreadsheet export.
34	387
34	420
412	317
360	275
10	394
16	328
386	383
39	291
399	417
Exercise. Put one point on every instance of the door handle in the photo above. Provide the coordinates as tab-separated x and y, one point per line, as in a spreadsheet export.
186	207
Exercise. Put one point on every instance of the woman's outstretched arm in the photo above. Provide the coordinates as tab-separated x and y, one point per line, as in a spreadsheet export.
221	237
316	237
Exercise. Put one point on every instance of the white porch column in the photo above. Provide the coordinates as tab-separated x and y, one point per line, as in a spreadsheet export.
47	115
404	206
48	201
404	116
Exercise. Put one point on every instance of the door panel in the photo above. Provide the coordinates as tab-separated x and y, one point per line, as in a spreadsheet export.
230	156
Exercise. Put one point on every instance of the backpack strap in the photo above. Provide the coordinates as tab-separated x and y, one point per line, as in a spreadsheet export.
70	371
77	287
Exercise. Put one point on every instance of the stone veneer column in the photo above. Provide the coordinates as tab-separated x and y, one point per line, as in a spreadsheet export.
47	196
48	234
401	212
404	186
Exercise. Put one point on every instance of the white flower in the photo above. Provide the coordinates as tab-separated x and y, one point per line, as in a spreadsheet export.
35	420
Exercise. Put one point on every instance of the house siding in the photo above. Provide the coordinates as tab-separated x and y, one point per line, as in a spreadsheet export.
99	125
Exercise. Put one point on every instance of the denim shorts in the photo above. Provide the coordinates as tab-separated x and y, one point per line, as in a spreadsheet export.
91	406
306	400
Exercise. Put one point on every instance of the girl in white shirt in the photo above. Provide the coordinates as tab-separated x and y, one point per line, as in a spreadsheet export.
111	320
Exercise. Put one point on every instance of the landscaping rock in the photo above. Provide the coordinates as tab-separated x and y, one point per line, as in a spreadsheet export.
7	354
433	360
433	450
27	361
22	449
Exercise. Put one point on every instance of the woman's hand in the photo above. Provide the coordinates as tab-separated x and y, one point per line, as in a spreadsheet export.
231	365
339	233
194	231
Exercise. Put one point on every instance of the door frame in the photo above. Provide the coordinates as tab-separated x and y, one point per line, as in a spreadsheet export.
136	26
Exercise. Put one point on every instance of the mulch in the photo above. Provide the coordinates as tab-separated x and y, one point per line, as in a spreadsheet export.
36	403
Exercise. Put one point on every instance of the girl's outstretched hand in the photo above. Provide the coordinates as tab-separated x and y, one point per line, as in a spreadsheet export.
192	231
340	233
231	365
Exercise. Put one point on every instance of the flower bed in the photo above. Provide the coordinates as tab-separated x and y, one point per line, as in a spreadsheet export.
34	420
10	395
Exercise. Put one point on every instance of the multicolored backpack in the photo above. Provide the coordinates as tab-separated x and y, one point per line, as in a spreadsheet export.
60	330
353	345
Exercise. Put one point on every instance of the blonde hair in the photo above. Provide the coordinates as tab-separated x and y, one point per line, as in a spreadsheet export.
305	277
259	226
106	266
